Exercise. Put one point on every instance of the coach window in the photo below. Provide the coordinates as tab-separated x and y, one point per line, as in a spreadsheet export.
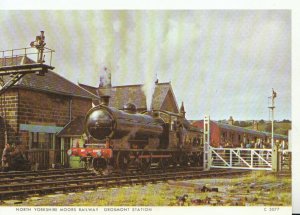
224	135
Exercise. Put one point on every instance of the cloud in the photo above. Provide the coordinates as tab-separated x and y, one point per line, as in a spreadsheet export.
212	58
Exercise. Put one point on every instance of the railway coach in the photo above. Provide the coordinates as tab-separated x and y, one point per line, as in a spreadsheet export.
228	135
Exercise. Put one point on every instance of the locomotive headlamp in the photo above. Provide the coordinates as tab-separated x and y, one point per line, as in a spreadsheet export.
99	153
69	152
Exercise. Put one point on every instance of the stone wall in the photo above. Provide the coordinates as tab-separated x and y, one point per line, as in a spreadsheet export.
41	108
24	106
9	115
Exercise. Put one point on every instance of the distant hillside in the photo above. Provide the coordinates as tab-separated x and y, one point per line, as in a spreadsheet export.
279	127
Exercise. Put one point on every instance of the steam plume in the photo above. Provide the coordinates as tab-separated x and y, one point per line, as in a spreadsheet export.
148	89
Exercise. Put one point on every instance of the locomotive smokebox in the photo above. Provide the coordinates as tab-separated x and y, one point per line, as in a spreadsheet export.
103	121
104	100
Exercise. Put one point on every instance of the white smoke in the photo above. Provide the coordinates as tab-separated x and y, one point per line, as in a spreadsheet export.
150	68
149	88
105	77
151	49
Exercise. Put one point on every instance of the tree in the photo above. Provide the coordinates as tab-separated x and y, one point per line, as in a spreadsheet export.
236	123
268	127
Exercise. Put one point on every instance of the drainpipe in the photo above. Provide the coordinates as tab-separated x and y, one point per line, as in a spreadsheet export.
70	119
70	109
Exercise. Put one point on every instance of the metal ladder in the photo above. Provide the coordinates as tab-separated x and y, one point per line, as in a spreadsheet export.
15	78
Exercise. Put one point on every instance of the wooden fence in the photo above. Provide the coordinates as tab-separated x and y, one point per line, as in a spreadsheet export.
44	158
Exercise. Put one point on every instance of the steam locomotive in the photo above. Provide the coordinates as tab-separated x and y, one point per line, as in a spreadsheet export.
119	139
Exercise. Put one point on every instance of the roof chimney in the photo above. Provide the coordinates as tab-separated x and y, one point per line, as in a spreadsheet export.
230	121
156	82
182	110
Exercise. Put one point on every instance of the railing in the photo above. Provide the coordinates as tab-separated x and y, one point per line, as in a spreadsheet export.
11	57
44	158
285	160
240	158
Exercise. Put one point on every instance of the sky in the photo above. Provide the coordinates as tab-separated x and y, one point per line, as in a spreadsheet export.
221	63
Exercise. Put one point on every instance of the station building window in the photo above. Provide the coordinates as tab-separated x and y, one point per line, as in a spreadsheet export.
40	140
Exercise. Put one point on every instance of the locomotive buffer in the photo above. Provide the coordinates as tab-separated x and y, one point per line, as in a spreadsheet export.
15	63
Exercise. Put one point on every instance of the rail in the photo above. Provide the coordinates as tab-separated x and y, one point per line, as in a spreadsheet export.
78	183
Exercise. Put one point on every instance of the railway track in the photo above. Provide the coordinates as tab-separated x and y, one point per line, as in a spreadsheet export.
82	180
24	177
15	174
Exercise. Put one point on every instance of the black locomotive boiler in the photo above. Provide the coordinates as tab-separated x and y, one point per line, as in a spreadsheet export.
119	139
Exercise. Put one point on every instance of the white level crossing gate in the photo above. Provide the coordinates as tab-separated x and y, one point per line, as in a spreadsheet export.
240	158
243	158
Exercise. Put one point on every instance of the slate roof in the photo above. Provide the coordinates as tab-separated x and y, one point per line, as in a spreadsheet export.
73	128
93	90
51	82
121	95
16	61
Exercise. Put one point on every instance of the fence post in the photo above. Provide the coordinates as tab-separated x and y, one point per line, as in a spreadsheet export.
251	158
275	158
230	157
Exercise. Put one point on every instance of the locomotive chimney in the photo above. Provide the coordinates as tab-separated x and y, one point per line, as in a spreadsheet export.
104	100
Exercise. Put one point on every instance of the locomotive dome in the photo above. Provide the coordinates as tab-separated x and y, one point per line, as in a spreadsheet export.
130	108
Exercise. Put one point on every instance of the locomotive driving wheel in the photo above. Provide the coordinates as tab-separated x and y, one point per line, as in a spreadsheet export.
175	159
196	159
123	161
183	159
145	162
99	165
164	163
